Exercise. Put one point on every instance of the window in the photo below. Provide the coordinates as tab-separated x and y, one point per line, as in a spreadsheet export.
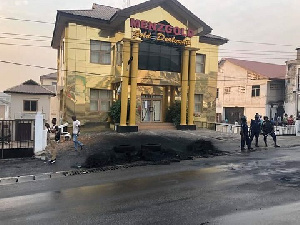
217	93
100	100
30	106
255	90
242	89
54	83
227	90
100	52
200	63
119	57
198	103
157	57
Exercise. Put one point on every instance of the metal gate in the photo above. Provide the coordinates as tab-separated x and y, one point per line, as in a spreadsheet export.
16	138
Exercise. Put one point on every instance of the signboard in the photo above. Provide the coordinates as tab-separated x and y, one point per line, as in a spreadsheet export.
161	32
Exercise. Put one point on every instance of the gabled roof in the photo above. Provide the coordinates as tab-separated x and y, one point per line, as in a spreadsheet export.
30	87
101	15
52	76
101	12
268	70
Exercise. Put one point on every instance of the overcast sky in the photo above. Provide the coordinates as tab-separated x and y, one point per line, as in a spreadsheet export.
273	23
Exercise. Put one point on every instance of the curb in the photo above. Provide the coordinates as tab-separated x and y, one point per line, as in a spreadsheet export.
60	174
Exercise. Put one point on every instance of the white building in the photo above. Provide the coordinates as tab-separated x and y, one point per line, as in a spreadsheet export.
292	86
29	98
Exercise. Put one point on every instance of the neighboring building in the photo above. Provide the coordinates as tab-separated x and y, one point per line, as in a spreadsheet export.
292	82
4	106
49	81
29	98
249	87
144	53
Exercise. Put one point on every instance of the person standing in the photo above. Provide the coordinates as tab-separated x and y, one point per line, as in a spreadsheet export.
53	137
255	129
76	132
268	128
245	140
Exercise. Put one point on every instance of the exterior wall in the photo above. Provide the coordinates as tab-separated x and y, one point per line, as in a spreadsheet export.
17	111
237	78
77	75
46	81
292	91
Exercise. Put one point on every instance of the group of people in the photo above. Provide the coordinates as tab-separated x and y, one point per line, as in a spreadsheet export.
54	135
257	126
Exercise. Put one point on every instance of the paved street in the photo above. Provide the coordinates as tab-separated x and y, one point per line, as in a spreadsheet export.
260	187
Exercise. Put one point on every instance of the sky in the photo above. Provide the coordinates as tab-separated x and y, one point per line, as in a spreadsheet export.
258	30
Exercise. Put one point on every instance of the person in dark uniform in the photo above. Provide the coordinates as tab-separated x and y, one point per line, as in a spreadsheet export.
255	129
268	128
245	140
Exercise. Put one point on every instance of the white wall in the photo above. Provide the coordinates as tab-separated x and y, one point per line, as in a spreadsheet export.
17	106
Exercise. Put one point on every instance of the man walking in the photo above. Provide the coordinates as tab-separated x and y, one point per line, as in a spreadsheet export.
76	132
255	128
268	128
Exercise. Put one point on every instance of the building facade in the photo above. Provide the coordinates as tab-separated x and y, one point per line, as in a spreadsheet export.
146	55
292	82
249	87
4	106
29	98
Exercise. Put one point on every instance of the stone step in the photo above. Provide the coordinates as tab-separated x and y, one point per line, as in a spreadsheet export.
156	126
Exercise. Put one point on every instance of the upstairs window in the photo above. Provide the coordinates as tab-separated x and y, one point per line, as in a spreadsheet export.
198	103
100	100
100	52
200	63
255	91
227	90
30	106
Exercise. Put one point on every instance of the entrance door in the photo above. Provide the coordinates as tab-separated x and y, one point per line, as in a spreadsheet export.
151	108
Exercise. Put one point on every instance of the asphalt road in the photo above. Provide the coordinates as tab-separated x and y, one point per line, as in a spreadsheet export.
257	188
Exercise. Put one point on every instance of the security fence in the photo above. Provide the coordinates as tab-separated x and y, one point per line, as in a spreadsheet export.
16	138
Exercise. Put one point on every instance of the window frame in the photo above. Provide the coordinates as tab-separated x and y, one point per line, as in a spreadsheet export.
255	91
119	53
200	63
30	105
101	53
100	99
198	103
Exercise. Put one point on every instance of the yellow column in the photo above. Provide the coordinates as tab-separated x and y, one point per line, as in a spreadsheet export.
172	95
165	103
184	85
192	81
125	78
133	86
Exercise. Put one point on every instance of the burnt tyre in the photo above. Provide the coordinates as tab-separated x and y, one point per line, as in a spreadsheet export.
124	149
151	147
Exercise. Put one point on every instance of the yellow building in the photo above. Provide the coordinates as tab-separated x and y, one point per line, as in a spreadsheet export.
150	54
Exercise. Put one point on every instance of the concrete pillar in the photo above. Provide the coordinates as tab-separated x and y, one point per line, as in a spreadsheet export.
39	141
184	85
192	82
124	83
172	95
165	103
133	86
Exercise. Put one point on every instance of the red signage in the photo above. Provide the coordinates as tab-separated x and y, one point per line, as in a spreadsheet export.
159	27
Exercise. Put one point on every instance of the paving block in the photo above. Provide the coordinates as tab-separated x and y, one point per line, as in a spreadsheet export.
8	180
43	176
26	178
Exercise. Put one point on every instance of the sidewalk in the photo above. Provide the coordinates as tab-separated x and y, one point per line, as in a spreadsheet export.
68	159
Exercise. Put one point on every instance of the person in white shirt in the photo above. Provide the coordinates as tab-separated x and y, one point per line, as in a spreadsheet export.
76	132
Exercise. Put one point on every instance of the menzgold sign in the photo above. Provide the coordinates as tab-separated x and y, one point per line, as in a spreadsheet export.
161	32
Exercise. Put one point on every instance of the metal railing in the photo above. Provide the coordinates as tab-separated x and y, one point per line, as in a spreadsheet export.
16	138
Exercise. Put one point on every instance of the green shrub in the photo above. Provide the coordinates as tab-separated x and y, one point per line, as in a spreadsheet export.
115	111
173	114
